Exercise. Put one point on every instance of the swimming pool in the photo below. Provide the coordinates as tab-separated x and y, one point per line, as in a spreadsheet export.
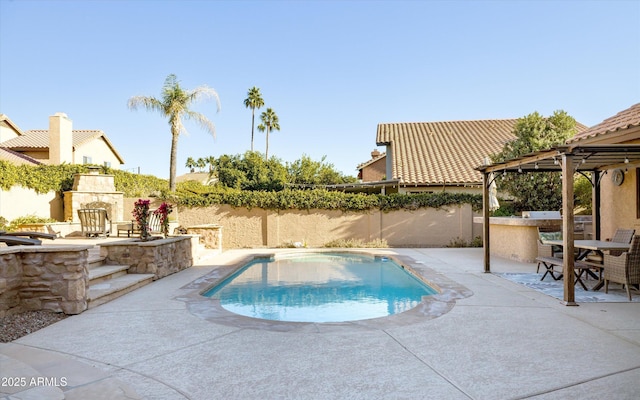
320	287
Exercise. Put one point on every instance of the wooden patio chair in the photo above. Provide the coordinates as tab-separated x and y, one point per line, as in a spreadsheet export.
94	222
624	268
153	222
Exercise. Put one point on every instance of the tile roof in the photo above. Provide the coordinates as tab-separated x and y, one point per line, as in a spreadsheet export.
626	119
17	158
437	153
39	139
5	120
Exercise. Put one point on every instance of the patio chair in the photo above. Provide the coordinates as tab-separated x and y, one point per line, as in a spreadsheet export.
94	222
153	222
625	268
549	255
621	236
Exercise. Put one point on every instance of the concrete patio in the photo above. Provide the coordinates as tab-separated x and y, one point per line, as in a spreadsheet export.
503	341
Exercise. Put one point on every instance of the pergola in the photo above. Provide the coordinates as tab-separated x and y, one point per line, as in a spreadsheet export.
569	159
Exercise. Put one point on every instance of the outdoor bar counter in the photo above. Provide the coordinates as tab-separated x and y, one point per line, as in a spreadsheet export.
516	238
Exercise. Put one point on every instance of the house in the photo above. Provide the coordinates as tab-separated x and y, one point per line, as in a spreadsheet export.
57	145
436	156
375	169
620	187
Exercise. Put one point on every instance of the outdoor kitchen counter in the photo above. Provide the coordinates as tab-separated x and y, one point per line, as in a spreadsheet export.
516	238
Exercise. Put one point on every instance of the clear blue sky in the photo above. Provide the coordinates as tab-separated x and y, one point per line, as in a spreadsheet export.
331	70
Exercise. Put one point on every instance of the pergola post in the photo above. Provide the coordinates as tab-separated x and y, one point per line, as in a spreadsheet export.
567	230
595	203
485	222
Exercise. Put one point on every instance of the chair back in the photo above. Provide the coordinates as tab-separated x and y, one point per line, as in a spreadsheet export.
634	250
622	236
548	233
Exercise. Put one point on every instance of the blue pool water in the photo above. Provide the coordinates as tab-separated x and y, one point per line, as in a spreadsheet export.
320	287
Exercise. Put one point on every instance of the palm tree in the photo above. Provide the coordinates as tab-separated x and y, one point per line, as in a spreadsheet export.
174	104
269	122
191	164
211	161
253	101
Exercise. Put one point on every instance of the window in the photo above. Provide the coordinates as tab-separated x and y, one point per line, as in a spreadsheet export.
107	164
86	160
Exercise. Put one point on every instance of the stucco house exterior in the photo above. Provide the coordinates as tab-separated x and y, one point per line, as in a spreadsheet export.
59	144
436	156
620	186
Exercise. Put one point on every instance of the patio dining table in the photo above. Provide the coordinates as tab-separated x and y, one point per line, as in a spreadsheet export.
587	246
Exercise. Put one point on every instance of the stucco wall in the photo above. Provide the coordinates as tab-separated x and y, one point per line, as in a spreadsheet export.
618	204
259	228
20	202
99	152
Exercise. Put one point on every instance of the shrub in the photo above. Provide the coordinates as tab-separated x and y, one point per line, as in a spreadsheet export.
28	219
459	242
357	243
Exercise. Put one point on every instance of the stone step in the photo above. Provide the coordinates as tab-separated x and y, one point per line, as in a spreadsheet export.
105	272
110	289
94	258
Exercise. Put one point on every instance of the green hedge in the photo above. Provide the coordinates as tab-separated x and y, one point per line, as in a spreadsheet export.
194	196
59	178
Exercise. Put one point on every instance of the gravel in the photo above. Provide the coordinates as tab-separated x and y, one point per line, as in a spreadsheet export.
16	326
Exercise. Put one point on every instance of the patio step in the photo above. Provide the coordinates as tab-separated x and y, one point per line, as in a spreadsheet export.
105	272
108	288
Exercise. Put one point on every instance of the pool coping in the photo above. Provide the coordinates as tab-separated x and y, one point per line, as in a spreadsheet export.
432	306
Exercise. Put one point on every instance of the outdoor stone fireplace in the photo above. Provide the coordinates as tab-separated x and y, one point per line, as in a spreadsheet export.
93	190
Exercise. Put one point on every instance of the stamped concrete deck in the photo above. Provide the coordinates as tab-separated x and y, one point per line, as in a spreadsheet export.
503	341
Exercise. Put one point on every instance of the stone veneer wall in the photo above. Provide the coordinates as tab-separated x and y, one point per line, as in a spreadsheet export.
210	235
160	257
52	278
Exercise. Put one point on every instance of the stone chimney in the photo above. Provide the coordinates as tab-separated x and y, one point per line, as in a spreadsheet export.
60	139
375	154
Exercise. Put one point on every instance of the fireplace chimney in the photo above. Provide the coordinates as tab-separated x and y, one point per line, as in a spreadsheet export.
60	139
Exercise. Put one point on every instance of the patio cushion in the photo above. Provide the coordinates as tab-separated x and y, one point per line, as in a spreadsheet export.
550	235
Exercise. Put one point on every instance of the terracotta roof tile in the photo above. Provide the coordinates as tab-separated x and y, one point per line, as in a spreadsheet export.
628	118
17	158
437	153
39	139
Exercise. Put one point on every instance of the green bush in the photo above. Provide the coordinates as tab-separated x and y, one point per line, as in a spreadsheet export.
357	243
59	178
27	219
459	242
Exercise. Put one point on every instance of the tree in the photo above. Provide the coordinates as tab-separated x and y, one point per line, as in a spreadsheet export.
211	161
542	190
306	171
251	172
201	163
253	101
269	121
174	104
191	164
